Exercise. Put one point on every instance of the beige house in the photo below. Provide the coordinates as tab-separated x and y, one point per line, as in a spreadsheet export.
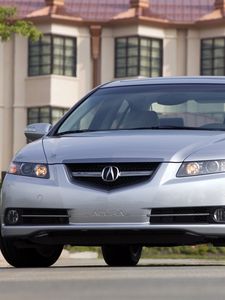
89	42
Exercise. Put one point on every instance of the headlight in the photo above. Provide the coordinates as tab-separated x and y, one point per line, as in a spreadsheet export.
196	168
29	169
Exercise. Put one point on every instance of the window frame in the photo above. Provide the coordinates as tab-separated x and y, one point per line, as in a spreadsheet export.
40	45
139	37
50	113
213	68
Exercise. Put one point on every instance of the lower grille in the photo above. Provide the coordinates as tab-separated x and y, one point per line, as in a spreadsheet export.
128	173
33	216
183	215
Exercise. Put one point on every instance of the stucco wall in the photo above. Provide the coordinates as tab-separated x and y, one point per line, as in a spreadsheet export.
18	91
6	103
58	90
174	48
19	98
193	53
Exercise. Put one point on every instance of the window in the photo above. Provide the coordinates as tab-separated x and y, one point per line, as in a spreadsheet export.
52	54
46	114
138	56
212	56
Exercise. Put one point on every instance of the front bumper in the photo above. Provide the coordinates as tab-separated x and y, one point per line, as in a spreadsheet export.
123	213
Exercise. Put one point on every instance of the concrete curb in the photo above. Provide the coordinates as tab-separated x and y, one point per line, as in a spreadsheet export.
79	255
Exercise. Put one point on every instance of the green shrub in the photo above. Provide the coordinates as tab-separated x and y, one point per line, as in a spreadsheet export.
200	251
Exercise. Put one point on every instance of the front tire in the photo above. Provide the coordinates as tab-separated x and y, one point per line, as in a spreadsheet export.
120	255
40	256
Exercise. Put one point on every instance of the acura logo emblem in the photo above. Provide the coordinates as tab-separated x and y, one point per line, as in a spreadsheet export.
110	174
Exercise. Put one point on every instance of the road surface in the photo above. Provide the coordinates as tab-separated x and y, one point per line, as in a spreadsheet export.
91	279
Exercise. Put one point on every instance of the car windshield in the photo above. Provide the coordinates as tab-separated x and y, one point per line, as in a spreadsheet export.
173	106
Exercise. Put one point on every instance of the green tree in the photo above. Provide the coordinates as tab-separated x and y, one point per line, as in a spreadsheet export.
10	25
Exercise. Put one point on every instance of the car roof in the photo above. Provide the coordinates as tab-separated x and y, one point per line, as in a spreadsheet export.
167	80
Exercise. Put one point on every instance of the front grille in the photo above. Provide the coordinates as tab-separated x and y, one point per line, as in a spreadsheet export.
34	216
183	215
130	173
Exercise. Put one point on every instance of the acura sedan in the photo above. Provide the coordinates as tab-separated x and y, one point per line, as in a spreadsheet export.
135	163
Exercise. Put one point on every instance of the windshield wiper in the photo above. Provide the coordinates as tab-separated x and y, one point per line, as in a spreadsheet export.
166	127
174	127
74	131
178	127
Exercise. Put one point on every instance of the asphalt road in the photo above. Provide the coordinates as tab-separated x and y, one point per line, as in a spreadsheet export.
92	279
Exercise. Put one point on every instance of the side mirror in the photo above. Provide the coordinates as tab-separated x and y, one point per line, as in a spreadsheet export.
36	131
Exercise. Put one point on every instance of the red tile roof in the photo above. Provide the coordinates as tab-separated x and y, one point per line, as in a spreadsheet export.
103	10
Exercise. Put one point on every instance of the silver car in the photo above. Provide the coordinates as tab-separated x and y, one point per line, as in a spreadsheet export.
135	163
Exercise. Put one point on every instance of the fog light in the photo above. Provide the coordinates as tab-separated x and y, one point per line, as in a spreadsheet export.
219	215
12	217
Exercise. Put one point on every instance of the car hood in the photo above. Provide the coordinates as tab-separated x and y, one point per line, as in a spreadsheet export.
141	145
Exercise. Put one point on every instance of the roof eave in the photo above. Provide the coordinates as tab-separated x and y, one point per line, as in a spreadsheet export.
162	23
210	23
61	19
145	20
